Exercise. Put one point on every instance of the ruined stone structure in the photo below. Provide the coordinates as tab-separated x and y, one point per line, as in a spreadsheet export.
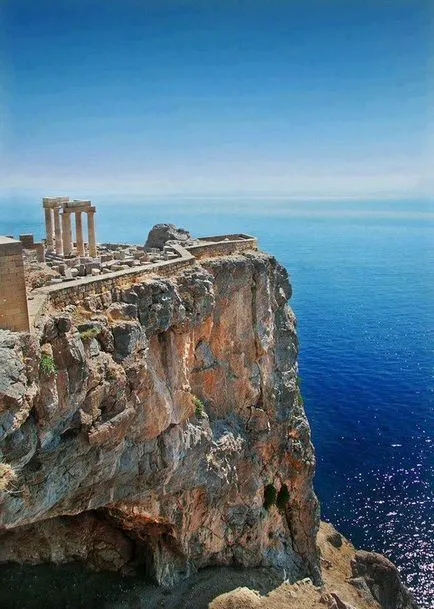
13	300
28	243
62	243
63	277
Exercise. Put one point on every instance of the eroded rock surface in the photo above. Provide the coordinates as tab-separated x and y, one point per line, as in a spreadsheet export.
382	578
351	580
162	233
163	412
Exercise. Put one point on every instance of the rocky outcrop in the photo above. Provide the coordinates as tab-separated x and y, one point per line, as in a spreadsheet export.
66	539
162	233
351	580
165	422
382	578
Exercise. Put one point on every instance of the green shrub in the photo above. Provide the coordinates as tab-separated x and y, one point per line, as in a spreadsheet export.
270	495
300	397
47	365
90	333
282	497
298	381
199	409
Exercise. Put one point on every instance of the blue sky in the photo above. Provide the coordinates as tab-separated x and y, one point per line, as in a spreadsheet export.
205	97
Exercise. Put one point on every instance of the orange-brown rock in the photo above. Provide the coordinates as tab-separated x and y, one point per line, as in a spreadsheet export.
176	405
162	430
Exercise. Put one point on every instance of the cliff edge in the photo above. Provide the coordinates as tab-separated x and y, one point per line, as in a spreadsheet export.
158	428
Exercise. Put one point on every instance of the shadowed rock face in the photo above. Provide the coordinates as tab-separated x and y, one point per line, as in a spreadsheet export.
160	424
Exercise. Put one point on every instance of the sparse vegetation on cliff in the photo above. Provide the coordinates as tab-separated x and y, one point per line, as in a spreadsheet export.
199	410
47	365
300	400
270	495
89	333
282	497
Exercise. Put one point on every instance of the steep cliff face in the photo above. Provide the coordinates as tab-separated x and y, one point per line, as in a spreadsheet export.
161	428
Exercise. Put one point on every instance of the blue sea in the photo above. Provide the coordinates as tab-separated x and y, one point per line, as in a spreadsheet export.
363	280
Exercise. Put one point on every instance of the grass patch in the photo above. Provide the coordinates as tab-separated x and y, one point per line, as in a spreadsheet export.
47	365
90	333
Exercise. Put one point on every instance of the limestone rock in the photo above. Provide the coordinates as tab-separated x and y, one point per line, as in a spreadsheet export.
382	578
86	538
115	431
19	362
335	539
128	337
241	597
161	233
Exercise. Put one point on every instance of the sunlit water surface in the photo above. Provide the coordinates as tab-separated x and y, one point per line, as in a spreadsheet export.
363	279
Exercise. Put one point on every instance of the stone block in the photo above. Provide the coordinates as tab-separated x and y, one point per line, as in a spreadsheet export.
13	297
27	240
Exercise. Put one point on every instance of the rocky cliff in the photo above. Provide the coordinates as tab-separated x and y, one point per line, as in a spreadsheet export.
159	429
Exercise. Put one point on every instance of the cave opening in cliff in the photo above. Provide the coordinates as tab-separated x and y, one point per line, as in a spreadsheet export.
157	554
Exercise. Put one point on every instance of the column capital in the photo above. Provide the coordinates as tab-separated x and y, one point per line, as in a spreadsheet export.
54	202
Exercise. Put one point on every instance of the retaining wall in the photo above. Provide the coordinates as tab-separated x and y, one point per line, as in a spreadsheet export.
223	245
78	289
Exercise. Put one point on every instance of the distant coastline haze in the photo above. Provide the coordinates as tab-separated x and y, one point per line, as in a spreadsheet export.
217	98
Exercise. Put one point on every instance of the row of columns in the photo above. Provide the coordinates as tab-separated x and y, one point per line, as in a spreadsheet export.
62	225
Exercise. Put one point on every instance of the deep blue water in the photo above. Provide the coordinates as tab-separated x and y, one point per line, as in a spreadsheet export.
363	279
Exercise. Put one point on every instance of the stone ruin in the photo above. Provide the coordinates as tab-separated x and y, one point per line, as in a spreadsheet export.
69	259
60	239
62	258
63	254
30	271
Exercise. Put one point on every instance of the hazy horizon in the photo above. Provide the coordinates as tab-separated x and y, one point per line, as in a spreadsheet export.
262	99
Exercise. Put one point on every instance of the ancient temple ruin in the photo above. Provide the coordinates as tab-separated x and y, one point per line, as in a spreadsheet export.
58	226
63	271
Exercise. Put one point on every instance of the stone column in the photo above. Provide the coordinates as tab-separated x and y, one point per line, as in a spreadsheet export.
91	232
67	233
58	232
79	233
49	229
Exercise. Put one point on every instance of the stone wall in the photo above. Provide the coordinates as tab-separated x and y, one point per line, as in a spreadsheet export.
79	289
223	245
13	298
29	244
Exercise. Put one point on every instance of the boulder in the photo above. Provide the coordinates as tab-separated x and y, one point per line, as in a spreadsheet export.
382	578
161	233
